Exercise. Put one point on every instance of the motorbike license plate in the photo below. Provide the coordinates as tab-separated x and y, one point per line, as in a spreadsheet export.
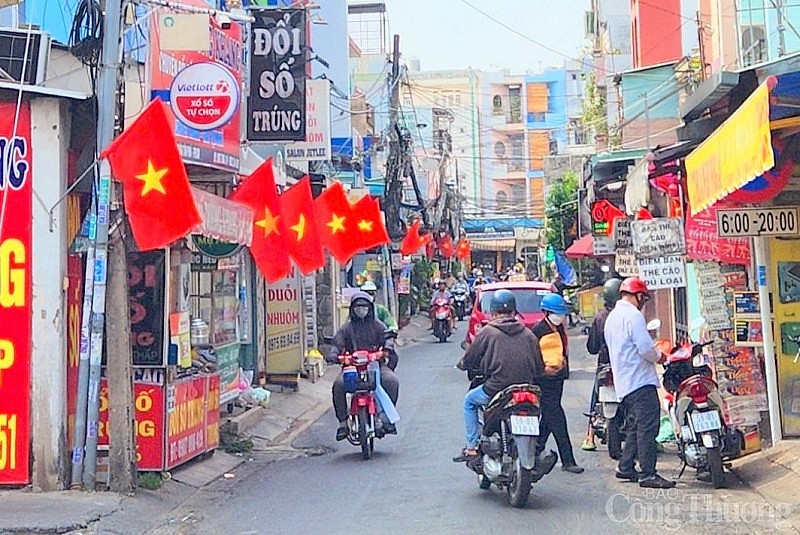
706	421
525	425
441	315
607	393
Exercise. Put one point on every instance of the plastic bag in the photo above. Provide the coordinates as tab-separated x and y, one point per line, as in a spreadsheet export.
665	432
256	396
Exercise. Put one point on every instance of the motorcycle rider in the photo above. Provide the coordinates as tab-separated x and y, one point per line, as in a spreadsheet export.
633	356
383	314
553	345
596	345
361	331
442	293
507	353
461	284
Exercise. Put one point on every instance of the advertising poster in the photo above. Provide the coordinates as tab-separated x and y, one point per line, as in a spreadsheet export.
228	366
212	412
703	241
179	337
317	145
658	237
186	420
202	87
276	106
146	295
16	250
74	310
284	327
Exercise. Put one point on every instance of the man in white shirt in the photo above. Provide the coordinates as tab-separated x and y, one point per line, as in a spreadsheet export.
633	357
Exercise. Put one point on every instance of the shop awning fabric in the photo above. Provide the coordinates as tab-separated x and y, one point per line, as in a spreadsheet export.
500	244
734	154
581	248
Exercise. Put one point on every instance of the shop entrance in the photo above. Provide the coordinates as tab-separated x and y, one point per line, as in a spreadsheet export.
786	302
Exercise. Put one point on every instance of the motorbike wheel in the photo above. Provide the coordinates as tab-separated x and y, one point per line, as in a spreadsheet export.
363	438
614	439
484	483
519	488
715	467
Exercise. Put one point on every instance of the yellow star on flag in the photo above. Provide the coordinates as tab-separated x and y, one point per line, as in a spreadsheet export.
300	227
269	223
152	179
365	226
336	224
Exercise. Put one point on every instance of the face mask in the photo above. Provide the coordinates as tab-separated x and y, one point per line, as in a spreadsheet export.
361	312
556	319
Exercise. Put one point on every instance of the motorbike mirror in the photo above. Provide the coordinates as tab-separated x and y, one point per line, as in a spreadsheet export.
653	325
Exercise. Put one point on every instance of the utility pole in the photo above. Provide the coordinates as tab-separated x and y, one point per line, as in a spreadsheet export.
781	28
701	47
394	165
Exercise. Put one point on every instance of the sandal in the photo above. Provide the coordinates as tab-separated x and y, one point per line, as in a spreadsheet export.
588	446
466	455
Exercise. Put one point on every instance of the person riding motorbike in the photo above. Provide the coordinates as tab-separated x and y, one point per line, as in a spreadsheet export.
506	353
383	314
462	284
553	345
633	356
442	293
362	331
596	345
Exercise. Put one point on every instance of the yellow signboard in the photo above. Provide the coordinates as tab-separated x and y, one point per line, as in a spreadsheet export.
284	327
737	152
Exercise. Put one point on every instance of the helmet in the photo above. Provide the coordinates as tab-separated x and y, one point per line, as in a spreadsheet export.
369	286
611	291
503	301
633	285
554	303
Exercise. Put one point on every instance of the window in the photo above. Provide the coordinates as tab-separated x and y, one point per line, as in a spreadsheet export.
528	299
514	105
501	199
497	104
500	149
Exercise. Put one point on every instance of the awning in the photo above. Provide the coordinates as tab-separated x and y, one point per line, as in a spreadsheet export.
501	244
733	155
581	248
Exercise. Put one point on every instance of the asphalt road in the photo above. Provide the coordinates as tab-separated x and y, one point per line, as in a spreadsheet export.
318	485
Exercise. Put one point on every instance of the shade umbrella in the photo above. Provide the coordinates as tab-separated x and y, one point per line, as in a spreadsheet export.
581	248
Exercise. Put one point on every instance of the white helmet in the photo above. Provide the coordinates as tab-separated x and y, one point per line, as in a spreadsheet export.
369	286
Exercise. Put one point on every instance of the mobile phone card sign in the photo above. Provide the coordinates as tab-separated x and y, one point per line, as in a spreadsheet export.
653	238
663	272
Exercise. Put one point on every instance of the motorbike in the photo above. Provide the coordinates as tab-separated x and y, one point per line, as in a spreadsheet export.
607	418
365	421
704	439
441	319
460	302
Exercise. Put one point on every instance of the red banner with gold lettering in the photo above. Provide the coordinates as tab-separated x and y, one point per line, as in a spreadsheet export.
703	241
15	292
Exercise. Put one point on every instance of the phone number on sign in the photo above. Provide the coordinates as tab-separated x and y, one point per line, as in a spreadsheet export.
283	341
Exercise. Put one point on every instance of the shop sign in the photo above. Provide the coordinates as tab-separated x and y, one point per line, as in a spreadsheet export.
214	248
204	263
317	145
703	241
626	264
146	295
603	214
179	337
276	105
284	327
224	220
186	420
622	233
16	256
404	282
148	402
212	412
653	238
767	221
602	246
663	272
228	367
203	88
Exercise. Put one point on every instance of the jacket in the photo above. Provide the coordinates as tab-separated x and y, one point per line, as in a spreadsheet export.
385	316
368	333
548	336
596	343
506	352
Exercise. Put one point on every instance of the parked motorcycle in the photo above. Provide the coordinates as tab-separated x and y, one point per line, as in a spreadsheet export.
441	319
366	420
704	439
607	418
460	302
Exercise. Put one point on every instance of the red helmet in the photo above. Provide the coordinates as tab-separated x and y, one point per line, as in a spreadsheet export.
633	285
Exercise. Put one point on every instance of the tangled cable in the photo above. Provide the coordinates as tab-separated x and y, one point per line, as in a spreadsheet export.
86	36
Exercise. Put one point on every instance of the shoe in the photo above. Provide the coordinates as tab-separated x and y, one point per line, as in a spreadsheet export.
543	466
656	482
389	429
572	468
588	446
466	455
342	431
705	477
659	447
632	476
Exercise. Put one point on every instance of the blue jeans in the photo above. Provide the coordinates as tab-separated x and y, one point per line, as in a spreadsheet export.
473	400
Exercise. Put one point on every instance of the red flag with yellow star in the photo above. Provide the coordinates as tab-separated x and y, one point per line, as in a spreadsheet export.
157	195
412	241
302	237
370	231
336	222
446	246
258	191
463	250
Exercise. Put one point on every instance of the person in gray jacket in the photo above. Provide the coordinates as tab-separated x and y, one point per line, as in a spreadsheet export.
362	331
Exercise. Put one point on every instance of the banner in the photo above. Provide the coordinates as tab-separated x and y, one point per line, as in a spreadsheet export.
203	89
16	250
703	241
276	106
74	311
186	419
317	145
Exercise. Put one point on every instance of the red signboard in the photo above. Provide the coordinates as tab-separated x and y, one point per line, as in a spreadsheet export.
74	310
186	420
703	241
204	91
212	412
15	291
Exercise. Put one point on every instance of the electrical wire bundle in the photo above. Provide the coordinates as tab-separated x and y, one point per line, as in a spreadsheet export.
86	35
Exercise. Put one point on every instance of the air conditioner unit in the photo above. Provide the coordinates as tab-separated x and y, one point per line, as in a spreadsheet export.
15	64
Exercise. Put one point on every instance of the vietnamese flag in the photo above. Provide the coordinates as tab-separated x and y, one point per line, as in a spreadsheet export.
446	246
370	230
258	191
157	195
463	249
412	241
335	223
302	241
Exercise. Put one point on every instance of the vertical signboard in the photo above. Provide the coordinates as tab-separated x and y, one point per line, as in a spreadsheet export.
202	87
146	296
186	420
276	105
15	292
284	327
74	303
317	145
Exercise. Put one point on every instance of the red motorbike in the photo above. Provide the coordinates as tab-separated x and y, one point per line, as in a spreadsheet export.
441	313
364	423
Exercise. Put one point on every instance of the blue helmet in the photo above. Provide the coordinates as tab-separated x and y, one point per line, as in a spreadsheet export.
554	303
503	301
